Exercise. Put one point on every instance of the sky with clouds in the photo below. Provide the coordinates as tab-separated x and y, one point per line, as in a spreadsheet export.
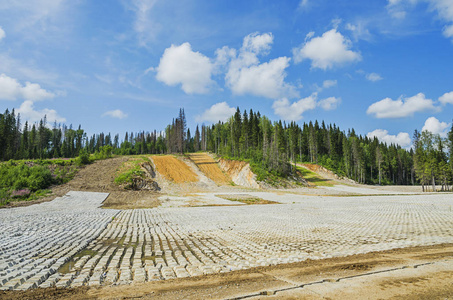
384	68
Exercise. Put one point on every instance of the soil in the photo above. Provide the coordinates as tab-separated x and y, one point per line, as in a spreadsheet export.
209	167
99	177
174	169
239	172
378	275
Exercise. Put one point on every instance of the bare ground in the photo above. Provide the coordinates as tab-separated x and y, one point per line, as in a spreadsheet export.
99	177
209	167
410	273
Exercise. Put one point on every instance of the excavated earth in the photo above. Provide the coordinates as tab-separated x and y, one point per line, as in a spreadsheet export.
188	241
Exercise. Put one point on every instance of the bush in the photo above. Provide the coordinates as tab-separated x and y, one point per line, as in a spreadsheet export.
104	152
17	177
84	157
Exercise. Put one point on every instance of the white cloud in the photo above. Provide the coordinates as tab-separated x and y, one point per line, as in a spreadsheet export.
329	83
446	98
403	107
265	80
330	103
223	57
448	31
118	114
326	51
293	111
11	89
444	9
247	76
359	31
144	25
180	65
403	139
2	34
258	43
435	126
373	77
27	112
43	21
218	112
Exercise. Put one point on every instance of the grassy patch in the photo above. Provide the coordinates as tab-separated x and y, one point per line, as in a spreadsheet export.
247	199
314	178
130	169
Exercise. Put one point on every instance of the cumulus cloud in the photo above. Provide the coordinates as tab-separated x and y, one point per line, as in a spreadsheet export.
330	103
246	75
403	139
28	112
265	80
403	107
11	89
117	113
218	112
436	127
181	65
373	77
446	98
2	34
293	111
258	43
326	51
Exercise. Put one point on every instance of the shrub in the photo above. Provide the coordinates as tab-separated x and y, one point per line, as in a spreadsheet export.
84	157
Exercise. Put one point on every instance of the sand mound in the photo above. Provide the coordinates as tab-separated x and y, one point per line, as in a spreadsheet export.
209	167
240	172
173	169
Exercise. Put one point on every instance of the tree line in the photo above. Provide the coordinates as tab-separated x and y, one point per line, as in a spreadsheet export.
272	147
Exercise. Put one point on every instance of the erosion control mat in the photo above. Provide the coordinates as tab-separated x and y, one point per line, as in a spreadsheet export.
209	167
173	169
410	273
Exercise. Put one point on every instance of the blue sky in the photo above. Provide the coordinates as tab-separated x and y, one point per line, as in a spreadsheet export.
383	68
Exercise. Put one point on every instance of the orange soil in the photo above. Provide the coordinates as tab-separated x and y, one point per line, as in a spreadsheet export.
173	169
209	167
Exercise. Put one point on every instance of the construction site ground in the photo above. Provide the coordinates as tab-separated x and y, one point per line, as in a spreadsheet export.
196	183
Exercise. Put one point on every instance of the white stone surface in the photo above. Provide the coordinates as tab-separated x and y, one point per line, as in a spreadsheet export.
166	243
38	239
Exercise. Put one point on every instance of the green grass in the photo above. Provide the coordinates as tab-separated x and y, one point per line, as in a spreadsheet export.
314	178
130	170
